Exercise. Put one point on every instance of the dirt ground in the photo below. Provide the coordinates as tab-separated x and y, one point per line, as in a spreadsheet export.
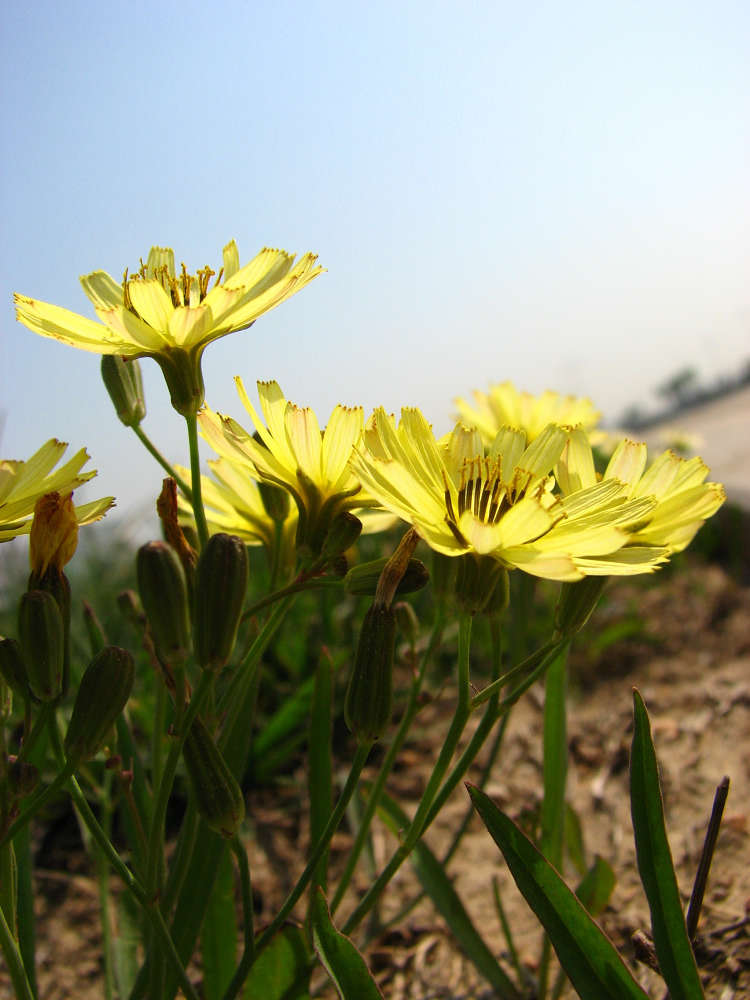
692	666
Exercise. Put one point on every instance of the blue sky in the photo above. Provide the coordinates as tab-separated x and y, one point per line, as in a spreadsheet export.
554	193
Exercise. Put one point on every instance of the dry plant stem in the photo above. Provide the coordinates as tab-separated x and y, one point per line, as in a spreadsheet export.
418	824
360	758
398	740
704	865
195	474
155	453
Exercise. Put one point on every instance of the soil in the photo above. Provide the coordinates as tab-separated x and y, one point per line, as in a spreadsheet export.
691	663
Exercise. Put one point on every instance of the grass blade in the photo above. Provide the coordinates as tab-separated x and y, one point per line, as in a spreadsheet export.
219	933
584	951
673	949
342	961
282	972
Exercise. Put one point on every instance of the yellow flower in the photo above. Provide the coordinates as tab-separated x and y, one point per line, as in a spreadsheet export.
292	452
233	503
172	317
682	500
22	484
505	406
499	504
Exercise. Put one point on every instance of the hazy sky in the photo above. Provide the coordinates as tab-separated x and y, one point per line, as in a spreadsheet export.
555	193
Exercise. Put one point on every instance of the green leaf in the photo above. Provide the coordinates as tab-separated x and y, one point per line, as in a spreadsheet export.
584	951
596	886
126	942
673	948
282	971
439	888
219	934
573	836
342	961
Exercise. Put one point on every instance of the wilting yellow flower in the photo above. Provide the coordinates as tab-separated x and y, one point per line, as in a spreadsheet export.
506	406
501	503
171	317
23	483
54	533
683	501
292	452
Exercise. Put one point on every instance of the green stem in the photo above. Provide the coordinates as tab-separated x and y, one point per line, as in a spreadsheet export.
360	758
195	473
154	451
418	824
295	587
36	802
555	775
150	906
156	836
375	793
247	896
528	664
36	731
14	962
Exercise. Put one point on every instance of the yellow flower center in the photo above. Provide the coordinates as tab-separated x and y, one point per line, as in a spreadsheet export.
185	289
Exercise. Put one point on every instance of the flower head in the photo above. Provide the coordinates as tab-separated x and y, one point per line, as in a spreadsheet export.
22	484
506	406
682	499
169	316
290	450
499	503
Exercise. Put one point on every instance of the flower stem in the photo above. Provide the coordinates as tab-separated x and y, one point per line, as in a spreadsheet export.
195	473
155	453
360	758
418	824
14	962
376	791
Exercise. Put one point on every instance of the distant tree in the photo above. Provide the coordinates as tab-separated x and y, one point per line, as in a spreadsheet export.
680	388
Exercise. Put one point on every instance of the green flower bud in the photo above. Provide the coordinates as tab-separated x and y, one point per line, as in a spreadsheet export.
23	778
367	708
344	531
131	608
163	590
13	669
124	384
218	797
577	603
55	582
103	693
40	627
221	583
362	580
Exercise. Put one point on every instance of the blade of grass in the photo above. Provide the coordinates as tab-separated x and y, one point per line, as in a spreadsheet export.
673	948
341	960
219	933
585	952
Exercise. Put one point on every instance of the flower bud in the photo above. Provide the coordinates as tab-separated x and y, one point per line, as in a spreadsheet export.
53	537
131	608
577	603
344	531
102	694
367	708
362	580
40	627
123	382
55	582
218	797
163	590
221	583
13	669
